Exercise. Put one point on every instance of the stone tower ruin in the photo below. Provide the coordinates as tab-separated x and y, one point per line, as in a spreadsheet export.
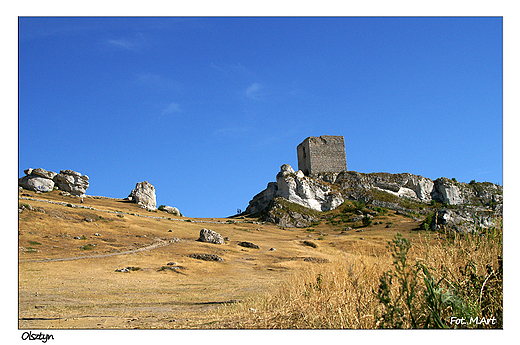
322	154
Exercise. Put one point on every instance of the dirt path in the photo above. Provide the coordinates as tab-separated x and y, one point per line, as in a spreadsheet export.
157	244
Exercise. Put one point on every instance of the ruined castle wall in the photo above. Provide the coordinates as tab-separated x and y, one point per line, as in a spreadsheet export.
322	154
304	157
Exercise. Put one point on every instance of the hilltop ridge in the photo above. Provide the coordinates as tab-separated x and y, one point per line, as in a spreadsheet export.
455	205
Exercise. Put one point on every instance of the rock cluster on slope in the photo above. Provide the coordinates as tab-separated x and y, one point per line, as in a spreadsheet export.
45	181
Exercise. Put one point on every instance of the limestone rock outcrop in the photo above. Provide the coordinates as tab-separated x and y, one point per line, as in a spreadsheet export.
285	216
447	191
144	195
261	201
473	205
72	182
45	181
356	186
405	185
306	191
299	189
464	220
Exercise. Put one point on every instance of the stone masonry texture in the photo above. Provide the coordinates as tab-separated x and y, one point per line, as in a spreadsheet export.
322	154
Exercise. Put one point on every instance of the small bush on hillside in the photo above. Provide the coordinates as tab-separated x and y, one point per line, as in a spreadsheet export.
426	223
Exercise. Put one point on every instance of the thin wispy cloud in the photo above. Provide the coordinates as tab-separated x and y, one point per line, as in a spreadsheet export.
171	109
253	91
131	44
122	43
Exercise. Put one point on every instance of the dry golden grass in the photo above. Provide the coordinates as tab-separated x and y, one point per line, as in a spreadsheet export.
71	283
344	294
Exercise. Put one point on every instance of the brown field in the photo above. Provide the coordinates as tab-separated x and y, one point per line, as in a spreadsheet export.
69	283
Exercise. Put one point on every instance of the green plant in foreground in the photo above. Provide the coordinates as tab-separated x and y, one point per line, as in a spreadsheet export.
440	303
414	305
398	308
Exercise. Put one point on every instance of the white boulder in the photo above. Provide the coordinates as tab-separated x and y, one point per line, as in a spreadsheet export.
144	195
172	210
36	183
210	236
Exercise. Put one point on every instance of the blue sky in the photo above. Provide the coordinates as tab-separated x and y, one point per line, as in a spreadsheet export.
208	109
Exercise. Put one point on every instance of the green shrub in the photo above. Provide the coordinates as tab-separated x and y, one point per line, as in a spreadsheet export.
426	223
358	205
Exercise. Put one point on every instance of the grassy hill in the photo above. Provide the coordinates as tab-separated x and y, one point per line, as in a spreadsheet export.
69	254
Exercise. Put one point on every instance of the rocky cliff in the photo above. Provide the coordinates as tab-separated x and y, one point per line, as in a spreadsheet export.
417	188
457	205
